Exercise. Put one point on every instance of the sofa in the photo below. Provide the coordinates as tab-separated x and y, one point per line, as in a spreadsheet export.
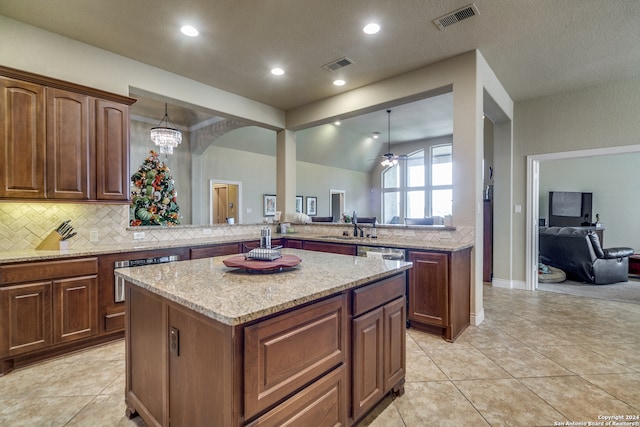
579	254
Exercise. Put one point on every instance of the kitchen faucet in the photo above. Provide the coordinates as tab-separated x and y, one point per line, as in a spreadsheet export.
354	219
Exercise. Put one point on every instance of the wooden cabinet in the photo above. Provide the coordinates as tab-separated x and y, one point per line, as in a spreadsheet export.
378	343
439	291
487	241
303	366
62	141
26	318
335	248
68	145
293	244
215	250
44	305
112	177
22	139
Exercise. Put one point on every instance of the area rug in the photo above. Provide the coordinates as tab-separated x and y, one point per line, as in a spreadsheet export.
622	292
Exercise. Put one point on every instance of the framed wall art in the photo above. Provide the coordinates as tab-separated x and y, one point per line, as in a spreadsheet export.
269	204
312	205
299	204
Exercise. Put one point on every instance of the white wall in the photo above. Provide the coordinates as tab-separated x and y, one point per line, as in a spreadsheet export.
608	178
600	116
317	180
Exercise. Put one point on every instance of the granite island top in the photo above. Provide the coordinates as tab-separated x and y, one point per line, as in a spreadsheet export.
233	296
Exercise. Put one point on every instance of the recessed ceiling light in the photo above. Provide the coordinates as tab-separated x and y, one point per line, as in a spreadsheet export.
339	82
188	30
371	28
337	123
277	71
376	135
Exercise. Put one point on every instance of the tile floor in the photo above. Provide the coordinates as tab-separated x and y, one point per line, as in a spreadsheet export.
538	359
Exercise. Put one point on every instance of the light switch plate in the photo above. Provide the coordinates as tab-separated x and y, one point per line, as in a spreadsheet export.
138	235
94	236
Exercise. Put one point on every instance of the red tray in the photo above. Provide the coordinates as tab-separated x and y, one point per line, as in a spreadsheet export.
253	265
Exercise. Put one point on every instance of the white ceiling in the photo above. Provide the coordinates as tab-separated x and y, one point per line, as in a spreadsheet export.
535	47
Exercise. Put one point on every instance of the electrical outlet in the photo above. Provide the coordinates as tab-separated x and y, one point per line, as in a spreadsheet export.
94	236
207	231
138	235
249	210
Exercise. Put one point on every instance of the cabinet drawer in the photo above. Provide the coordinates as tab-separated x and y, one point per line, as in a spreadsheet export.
377	294
114	322
321	404
46	270
217	250
334	248
287	352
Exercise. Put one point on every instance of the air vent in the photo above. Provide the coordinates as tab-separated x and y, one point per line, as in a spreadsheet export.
337	64
456	16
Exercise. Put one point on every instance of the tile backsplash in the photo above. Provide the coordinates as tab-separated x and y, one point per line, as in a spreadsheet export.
24	225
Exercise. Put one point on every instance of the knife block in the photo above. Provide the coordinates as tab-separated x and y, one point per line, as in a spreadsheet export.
53	242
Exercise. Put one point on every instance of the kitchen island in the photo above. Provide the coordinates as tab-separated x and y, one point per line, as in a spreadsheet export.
318	344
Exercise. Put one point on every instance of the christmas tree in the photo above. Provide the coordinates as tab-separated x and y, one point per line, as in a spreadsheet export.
153	196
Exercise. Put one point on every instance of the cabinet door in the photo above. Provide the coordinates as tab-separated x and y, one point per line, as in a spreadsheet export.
68	139
428	288
394	315
25	318
75	303
367	359
112	151
22	139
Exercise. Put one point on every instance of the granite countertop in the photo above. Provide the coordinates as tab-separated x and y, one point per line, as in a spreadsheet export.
233	296
28	255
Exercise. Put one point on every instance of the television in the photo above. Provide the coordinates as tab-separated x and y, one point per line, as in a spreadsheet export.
569	209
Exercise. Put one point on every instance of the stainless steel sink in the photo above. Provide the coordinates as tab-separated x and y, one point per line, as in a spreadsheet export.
338	237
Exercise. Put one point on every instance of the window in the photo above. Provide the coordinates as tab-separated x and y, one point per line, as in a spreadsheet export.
421	186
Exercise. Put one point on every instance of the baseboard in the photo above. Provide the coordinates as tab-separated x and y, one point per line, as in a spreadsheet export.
509	284
476	318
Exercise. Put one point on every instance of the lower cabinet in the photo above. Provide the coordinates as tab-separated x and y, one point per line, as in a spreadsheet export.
44	305
378	344
440	292
308	366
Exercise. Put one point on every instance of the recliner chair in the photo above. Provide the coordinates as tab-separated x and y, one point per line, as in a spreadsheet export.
578	253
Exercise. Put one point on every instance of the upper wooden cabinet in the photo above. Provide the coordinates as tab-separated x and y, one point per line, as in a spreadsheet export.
62	141
22	139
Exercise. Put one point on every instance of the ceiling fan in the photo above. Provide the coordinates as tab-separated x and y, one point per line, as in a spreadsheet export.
389	159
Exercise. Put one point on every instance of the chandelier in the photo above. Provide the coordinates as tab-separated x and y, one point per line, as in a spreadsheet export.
388	159
165	135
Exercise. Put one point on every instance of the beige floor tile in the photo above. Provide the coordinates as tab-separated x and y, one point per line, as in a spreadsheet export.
581	360
524	362
437	404
61	379
384	415
480	337
420	367
430	342
625	387
576	398
117	387
466	364
105	411
623	353
508	403
40	411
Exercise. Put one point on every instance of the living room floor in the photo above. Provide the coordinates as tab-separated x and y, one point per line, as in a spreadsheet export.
538	359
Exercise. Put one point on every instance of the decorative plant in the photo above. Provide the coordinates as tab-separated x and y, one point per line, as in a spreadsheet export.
153	196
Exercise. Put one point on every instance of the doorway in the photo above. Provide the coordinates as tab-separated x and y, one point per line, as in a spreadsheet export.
533	197
226	197
337	204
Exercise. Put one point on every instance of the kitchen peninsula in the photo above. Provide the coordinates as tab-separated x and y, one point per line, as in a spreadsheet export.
318	344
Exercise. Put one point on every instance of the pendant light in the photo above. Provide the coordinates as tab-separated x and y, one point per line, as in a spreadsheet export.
165	135
389	159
